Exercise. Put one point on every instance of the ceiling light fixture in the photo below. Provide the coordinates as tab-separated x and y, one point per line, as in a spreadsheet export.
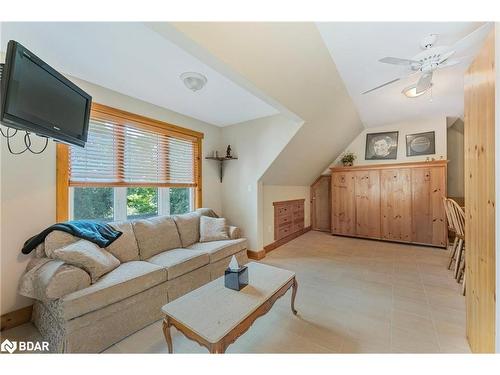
411	91
193	81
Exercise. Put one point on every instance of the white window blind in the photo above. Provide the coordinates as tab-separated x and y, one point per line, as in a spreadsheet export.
121	154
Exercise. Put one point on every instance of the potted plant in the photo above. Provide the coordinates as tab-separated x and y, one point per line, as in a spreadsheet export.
348	159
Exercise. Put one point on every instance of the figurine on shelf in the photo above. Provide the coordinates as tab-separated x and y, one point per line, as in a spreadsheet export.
228	152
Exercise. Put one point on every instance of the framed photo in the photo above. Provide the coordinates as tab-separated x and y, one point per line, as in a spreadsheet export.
381	146
420	144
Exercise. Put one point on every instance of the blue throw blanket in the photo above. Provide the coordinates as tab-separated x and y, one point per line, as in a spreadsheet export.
101	234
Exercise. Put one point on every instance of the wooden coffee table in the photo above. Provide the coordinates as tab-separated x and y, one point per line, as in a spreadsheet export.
215	316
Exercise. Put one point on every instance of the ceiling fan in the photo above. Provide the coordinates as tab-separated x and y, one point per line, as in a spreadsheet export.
432	58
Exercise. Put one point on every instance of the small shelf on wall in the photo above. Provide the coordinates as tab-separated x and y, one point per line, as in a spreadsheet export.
221	161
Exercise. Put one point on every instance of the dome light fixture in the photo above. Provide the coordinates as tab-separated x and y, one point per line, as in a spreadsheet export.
193	81
411	91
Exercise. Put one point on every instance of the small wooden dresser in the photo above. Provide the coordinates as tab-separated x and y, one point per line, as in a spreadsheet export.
288	218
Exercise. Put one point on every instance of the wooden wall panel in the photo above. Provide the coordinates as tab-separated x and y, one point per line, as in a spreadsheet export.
321	204
343	204
367	190
479	138
395	204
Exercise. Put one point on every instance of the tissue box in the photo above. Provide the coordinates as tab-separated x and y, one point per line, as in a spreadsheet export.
236	280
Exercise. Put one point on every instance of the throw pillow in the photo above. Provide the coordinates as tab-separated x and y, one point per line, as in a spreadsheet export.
213	229
87	255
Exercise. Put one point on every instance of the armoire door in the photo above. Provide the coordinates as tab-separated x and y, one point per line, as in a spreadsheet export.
428	216
367	188
395	204
343	204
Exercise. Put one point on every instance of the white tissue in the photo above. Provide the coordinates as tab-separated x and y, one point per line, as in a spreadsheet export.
233	265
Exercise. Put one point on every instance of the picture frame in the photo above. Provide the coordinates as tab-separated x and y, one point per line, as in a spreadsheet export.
382	146
421	144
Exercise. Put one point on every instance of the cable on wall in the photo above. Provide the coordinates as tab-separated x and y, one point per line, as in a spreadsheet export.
27	136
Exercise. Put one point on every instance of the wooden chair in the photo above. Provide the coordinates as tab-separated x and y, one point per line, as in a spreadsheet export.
456	223
447	209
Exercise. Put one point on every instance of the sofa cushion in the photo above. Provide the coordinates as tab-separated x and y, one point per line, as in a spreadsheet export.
206	212
213	229
88	256
188	226
125	247
156	235
127	280
220	249
178	262
57	239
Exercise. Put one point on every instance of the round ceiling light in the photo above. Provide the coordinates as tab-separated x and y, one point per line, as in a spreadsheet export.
411	91
193	81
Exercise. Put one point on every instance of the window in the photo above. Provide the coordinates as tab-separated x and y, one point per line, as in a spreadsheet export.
131	167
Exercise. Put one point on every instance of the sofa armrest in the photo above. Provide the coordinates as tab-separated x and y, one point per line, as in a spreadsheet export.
53	282
234	232
47	279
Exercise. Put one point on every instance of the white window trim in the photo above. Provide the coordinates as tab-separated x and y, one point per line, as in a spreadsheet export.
120	202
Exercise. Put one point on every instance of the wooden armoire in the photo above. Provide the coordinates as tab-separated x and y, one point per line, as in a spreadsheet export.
394	202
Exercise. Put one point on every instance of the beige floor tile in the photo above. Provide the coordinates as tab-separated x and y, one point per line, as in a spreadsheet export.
354	296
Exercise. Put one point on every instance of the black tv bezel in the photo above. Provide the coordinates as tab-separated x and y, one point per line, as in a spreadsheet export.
22	124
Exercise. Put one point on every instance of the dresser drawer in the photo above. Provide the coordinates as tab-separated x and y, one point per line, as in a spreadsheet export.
298	207
298	226
283	210
284	219
285	230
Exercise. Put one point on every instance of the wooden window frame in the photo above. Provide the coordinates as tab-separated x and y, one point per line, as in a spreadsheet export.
103	112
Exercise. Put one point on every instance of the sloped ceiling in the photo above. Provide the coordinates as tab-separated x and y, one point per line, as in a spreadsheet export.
356	48
133	59
291	64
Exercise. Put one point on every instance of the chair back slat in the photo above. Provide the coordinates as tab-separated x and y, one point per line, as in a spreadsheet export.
457	216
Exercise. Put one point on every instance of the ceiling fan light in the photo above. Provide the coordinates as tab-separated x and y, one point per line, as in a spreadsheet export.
411	91
193	81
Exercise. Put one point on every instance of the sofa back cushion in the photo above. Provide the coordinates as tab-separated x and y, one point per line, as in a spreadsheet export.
56	240
88	256
188	226
125	247
156	235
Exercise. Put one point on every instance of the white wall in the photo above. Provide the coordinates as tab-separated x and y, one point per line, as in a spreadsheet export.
256	143
407	127
274	193
28	188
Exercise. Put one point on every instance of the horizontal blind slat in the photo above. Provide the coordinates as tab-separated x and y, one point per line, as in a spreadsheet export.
123	154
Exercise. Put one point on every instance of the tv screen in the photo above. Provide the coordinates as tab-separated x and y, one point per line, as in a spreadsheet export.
38	99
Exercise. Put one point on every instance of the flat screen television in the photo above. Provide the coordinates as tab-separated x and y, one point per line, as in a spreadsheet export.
38	99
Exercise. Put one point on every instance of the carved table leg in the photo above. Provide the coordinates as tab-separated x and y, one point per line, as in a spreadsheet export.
166	333
217	348
294	293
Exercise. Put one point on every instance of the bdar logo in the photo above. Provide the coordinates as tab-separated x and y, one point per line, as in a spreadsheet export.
8	346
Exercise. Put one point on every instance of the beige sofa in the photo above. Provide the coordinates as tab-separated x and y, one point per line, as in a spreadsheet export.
161	259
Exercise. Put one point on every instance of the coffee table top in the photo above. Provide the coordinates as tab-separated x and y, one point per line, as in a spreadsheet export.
212	311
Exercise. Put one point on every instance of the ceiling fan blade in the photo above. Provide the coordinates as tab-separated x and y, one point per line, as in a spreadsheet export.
380	86
398	61
473	40
451	62
446	56
390	82
424	83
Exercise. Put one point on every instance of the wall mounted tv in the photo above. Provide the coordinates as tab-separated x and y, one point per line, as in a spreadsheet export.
38	99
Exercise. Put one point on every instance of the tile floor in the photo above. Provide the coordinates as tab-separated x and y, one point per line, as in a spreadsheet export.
355	296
